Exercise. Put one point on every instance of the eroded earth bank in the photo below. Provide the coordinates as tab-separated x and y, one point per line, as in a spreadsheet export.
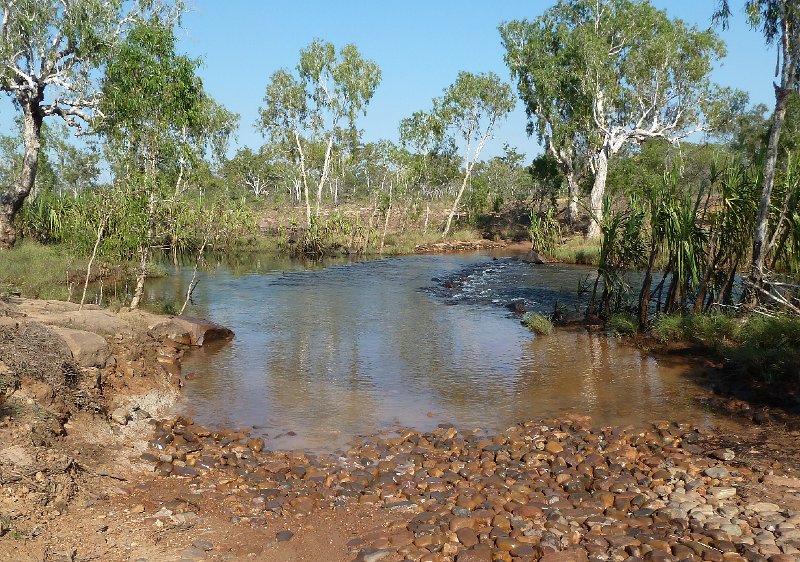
93	468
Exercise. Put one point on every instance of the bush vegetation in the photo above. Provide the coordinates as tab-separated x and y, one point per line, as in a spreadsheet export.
766	348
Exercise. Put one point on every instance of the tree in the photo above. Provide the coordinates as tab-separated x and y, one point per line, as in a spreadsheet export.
157	120
49	50
779	22
631	72
250	170
467	112
321	103
537	53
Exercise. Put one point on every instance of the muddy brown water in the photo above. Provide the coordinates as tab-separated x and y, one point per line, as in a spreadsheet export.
327	352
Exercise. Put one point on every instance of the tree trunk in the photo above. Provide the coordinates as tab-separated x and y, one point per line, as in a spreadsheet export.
12	198
304	176
790	49
145	253
572	199
325	168
645	293
760	245
596	196
458	200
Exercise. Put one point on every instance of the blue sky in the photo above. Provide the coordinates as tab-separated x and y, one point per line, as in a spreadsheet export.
419	45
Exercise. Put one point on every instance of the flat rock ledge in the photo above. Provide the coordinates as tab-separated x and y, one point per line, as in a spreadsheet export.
459	246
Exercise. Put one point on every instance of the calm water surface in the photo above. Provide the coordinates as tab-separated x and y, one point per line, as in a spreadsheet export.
321	355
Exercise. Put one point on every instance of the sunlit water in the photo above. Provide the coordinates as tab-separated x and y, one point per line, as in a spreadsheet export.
321	355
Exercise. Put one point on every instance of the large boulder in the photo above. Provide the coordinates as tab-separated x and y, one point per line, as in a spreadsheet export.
88	349
188	330
533	257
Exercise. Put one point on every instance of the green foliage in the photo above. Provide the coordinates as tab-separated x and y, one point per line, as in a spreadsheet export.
620	324
538	324
37	271
153	104
466	113
598	76
545	232
769	348
710	331
668	328
622	247
183	223
337	233
318	108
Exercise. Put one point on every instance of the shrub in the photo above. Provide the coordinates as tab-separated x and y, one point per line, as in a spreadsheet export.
769	348
714	331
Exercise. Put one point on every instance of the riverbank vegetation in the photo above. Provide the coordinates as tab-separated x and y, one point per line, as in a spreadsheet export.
683	195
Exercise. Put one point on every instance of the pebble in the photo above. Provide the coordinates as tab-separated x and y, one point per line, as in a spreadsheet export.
550	490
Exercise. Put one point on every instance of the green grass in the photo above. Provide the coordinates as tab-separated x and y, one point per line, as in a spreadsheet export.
38	271
668	328
578	250
769	348
538	324
621	324
710	331
766	348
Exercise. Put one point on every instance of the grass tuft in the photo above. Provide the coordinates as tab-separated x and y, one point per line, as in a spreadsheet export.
538	324
621	324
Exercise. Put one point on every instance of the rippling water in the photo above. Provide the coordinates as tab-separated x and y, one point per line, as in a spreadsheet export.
321	355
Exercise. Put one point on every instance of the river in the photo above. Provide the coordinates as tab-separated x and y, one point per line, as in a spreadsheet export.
324	353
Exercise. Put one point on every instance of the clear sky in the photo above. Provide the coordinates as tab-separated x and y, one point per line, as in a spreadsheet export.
419	45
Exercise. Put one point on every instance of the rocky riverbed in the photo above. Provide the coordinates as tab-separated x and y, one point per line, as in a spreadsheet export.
97	477
542	490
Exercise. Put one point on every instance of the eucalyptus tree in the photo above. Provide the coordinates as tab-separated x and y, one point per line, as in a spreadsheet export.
156	115
467	112
50	51
779	22
540	58
629	73
321	102
249	170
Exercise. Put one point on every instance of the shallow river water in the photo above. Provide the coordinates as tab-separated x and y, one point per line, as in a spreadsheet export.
324	354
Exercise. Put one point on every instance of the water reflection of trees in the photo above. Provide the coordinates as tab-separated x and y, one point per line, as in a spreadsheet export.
593	374
350	348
